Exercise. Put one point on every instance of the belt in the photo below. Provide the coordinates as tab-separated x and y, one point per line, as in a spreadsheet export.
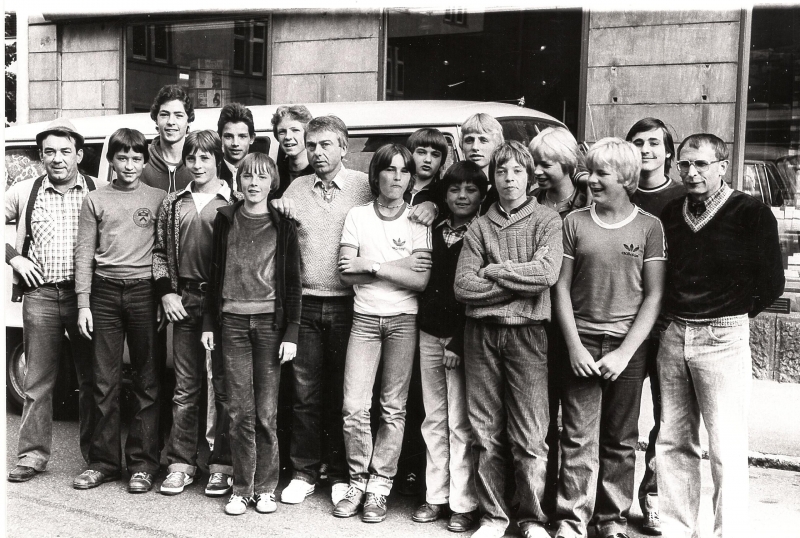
63	285
194	285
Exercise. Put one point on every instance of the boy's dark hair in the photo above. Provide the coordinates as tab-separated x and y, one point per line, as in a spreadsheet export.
258	163
382	159
465	172
172	92
126	140
699	139
511	149
296	112
205	140
650	124
329	123
429	137
236	113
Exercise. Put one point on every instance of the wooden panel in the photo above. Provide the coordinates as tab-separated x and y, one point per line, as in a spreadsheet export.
350	87
42	38
91	37
95	94
325	25
297	89
657	45
612	19
48	114
615	120
693	83
43	94
43	66
90	66
341	56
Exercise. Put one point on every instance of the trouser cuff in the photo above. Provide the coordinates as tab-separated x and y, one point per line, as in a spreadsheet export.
379	485
35	463
224	469
183	468
304	477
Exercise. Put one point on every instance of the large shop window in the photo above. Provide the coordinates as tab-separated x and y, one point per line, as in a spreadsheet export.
218	62
772	136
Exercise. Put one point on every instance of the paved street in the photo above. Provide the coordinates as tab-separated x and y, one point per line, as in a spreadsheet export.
49	507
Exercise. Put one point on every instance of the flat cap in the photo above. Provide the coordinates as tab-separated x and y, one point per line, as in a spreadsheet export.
61	126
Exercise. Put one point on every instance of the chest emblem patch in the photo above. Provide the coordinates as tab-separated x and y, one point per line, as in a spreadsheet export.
631	250
143	217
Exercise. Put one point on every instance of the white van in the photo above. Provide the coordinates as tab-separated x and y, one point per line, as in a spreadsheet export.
370	125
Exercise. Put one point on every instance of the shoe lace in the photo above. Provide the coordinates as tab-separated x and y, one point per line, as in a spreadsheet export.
653	517
216	478
91	473
239	498
353	493
376	500
139	475
174	475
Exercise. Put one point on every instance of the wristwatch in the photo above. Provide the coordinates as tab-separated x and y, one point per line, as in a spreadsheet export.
375	268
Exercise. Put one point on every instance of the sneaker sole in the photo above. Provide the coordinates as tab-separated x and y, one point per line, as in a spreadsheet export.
458	529
341	515
235	513
139	490
374	519
651	532
272	511
21	479
218	492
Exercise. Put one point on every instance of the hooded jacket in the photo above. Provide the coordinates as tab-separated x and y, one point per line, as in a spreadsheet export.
156	172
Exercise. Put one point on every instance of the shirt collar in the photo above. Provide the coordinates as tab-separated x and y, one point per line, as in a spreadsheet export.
223	191
517	209
340	180
449	223
79	182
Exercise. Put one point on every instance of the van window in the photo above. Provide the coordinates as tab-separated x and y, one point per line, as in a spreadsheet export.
360	150
22	162
523	129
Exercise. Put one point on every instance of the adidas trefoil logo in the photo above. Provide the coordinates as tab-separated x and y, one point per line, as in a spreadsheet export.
630	250
398	244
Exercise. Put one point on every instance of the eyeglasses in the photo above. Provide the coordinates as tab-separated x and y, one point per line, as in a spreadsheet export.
699	165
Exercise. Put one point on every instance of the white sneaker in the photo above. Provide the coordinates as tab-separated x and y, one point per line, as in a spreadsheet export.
265	503
488	531
338	491
237	505
296	492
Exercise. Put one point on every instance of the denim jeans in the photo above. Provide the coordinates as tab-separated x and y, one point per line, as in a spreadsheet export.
705	371
598	443
648	489
189	357
46	313
124	309
506	371
250	346
318	375
556	357
449	475
374	340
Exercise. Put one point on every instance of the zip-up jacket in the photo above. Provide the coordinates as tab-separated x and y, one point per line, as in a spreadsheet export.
157	174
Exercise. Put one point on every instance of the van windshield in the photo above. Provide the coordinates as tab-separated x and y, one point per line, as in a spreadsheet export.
22	162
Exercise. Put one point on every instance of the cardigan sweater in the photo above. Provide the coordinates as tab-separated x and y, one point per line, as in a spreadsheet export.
731	266
319	229
515	287
288	287
439	313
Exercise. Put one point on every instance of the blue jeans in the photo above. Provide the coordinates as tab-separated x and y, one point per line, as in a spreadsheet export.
318	374
390	342
124	309
189	357
250	346
507	400
705	371
598	443
46	313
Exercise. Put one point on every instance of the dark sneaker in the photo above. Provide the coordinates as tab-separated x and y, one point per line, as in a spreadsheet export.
140	482
89	479
409	485
374	508
462	522
219	484
21	473
348	507
175	482
428	513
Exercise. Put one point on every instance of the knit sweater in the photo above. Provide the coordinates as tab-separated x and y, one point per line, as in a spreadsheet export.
515	286
319	230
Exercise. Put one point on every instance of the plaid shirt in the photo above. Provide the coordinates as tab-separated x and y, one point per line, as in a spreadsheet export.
454	235
712	205
337	184
54	226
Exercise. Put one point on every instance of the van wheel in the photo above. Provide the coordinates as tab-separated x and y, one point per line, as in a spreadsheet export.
16	365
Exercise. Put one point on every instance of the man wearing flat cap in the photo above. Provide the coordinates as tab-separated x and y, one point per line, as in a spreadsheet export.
46	211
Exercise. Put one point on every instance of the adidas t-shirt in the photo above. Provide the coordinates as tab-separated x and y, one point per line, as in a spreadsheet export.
607	284
384	239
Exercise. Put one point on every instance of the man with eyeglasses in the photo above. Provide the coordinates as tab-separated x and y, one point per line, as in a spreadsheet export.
724	267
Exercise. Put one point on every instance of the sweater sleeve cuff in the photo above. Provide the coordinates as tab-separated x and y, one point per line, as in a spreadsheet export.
163	286
11	253
292	332
208	322
492	271
83	300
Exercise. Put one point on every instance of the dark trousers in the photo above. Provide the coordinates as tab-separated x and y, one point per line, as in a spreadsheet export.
250	346
318	376
46	313
649	485
598	443
557	358
189	357
506	372
124	309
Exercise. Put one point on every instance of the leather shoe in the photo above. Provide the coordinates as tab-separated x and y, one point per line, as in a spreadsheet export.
140	482
427	513
462	522
90	478
21	473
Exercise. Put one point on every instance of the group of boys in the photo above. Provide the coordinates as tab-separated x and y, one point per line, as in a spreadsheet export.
124	258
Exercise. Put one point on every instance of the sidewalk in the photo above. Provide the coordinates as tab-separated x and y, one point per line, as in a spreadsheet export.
774	424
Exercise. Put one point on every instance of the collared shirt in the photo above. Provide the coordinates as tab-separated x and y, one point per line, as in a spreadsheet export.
509	214
337	184
224	191
233	170
712	205
453	235
54	226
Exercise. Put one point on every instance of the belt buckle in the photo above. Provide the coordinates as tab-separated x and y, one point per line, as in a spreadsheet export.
62	285
203	286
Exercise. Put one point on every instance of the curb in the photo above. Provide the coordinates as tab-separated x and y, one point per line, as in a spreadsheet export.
755	459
